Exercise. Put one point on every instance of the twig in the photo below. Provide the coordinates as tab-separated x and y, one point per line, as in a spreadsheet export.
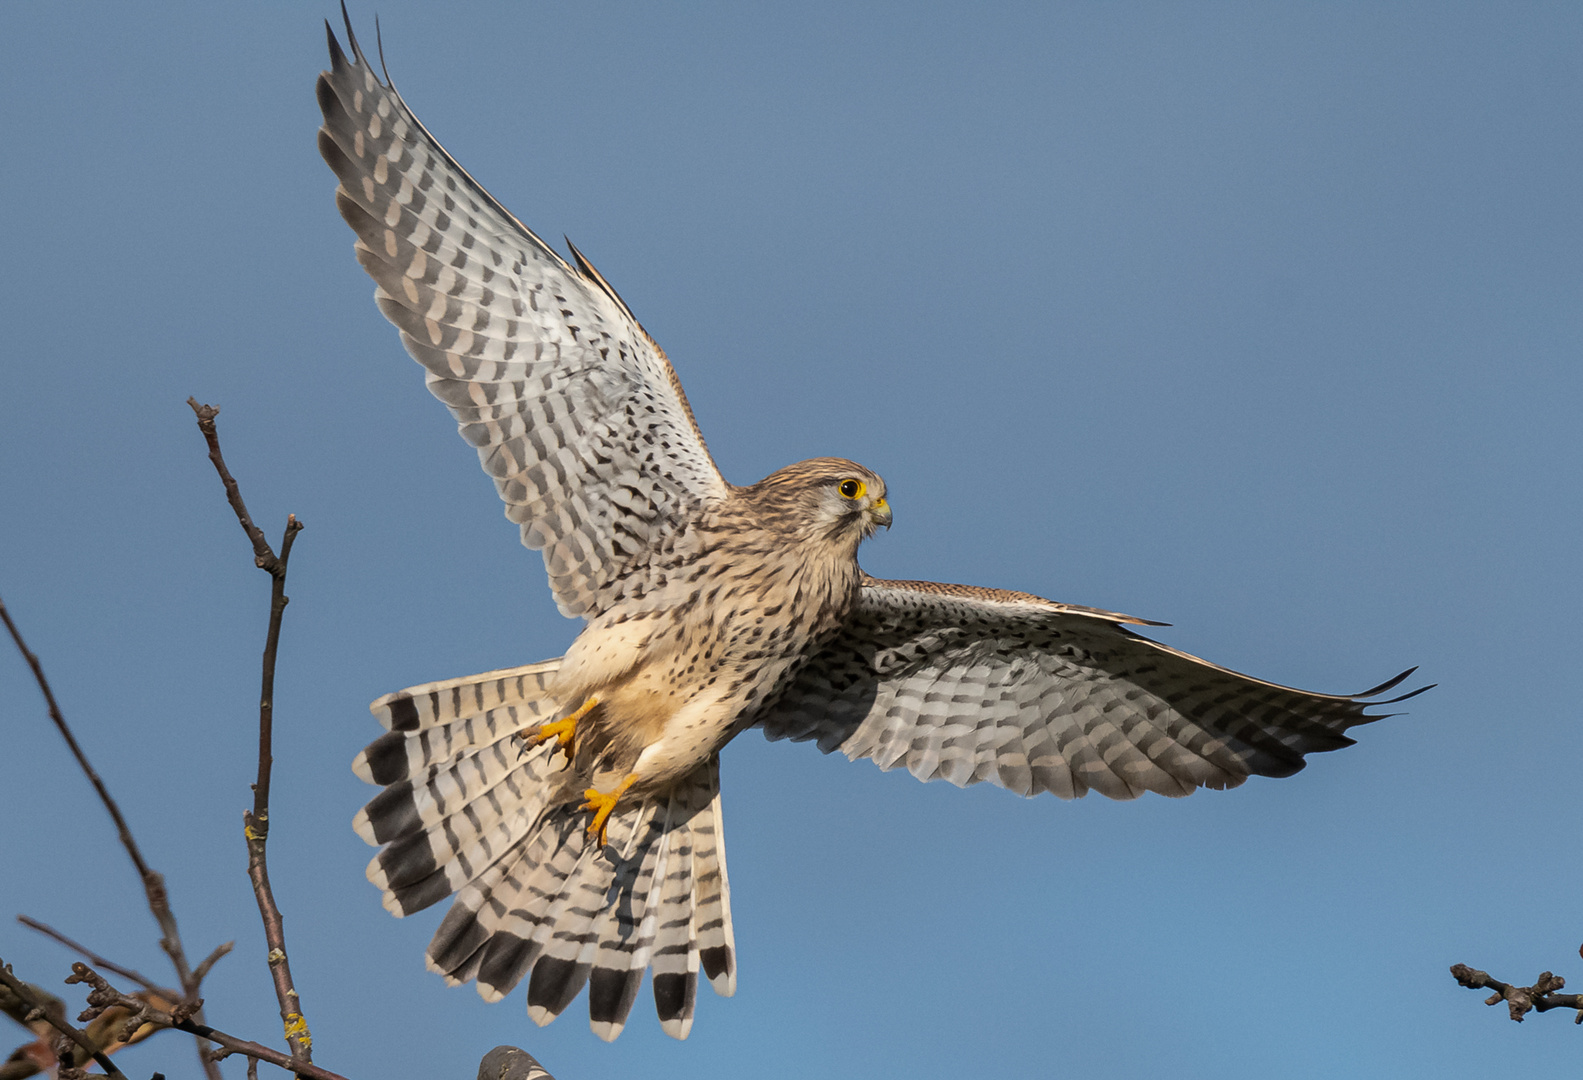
105	996
153	881
109	965
263	557
256	821
1542	996
20	989
213	958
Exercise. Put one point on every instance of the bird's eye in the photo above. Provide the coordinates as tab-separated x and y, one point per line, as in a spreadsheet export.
851	489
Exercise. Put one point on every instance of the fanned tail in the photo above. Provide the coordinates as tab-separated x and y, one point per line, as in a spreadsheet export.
460	788
467	809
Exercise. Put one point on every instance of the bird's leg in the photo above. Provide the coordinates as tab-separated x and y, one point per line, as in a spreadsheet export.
562	731
602	805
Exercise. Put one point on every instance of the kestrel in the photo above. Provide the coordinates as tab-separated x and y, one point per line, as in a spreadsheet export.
573	805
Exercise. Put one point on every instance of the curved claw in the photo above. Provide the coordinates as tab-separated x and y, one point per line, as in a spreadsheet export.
602	805
563	731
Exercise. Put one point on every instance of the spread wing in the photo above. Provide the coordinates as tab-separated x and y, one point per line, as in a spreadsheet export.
976	684
575	411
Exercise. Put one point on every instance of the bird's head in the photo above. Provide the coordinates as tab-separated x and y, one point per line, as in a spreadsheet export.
826	498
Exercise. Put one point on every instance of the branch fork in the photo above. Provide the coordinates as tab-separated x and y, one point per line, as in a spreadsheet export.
255	822
1542	996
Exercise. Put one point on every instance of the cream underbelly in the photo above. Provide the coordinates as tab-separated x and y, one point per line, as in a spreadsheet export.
692	733
674	733
667	696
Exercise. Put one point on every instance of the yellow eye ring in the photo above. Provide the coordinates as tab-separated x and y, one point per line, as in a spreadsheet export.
852	489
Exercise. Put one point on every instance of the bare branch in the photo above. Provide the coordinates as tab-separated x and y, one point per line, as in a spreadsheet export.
105	996
1542	996
153	881
266	697
262	555
99	961
221	950
21	990
256	821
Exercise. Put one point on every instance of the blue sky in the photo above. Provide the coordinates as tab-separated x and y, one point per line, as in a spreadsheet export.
1262	320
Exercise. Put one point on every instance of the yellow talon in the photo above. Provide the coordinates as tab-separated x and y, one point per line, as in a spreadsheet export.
563	731
602	805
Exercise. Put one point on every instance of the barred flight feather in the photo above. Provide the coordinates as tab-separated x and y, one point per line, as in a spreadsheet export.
717	948
675	950
439	703
968	684
565	397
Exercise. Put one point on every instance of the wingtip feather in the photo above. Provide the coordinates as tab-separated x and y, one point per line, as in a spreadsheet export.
1409	694
351	35
1387	684
337	57
379	47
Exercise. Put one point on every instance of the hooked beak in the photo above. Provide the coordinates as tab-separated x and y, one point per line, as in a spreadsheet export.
879	514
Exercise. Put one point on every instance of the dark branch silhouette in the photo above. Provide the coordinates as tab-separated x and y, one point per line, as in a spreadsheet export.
153	881
39	1010
256	821
126	973
1542	996
116	1019
104	996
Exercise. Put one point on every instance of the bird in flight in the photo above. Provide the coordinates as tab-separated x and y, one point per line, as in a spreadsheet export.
572	806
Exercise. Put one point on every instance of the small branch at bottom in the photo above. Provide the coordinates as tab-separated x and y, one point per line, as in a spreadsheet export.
93	957
21	990
104	996
153	881
1542	996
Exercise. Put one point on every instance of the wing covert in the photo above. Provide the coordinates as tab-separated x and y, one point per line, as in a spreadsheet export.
576	413
972	684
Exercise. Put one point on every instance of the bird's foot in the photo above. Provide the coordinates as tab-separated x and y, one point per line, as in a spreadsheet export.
602	805
562	731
